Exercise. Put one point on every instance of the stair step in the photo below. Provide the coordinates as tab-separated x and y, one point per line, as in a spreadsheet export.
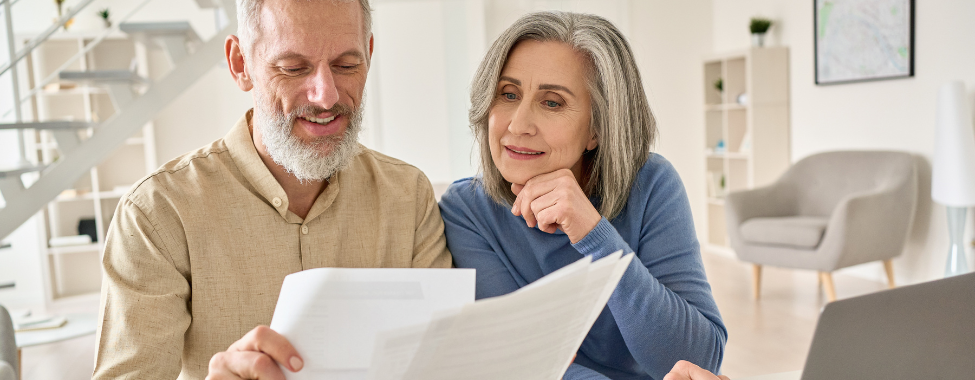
207	4
18	170
102	76
153	29
48	125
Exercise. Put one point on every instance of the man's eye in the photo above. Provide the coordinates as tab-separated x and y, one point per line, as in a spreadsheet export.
292	70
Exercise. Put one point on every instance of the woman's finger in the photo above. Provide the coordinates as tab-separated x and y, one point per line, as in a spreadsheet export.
548	219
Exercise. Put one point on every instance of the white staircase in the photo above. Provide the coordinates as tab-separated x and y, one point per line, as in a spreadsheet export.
82	145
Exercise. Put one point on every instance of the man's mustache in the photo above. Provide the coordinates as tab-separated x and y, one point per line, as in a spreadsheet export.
311	109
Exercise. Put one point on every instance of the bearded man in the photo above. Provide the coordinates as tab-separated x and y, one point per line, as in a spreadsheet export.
197	251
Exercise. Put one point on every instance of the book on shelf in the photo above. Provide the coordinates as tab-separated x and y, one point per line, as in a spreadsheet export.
39	322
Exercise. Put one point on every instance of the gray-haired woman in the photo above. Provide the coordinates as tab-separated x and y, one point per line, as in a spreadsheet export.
565	133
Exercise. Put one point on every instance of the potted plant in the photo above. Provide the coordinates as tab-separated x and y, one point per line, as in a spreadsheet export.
60	4
105	17
759	26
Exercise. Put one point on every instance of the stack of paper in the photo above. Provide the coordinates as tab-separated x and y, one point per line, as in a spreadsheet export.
332	315
531	333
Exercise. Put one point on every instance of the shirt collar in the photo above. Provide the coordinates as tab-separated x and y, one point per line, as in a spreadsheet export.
240	143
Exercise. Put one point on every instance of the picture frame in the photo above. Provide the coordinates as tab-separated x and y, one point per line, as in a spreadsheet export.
863	40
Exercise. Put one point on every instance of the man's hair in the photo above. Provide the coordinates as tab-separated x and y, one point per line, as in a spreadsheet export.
249	16
621	120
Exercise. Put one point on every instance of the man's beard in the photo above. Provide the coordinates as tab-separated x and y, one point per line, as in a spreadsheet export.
308	161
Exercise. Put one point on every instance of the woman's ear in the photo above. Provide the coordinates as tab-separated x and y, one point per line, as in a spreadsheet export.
235	61
593	143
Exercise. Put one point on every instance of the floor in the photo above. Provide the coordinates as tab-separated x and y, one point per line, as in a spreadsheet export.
770	335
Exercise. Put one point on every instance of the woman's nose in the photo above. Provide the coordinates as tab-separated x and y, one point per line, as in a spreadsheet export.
322	90
522	120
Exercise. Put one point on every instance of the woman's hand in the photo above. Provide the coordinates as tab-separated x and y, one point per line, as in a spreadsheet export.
554	201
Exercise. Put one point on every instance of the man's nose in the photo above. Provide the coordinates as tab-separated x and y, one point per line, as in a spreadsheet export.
322	89
522	121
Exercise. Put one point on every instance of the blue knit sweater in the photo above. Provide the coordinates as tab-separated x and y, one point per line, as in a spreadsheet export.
662	310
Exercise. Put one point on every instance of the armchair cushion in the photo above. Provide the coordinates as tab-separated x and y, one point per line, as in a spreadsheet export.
793	231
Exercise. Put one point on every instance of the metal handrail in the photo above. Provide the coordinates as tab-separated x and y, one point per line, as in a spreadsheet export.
36	41
87	48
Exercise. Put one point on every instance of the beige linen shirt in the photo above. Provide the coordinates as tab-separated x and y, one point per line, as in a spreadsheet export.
197	251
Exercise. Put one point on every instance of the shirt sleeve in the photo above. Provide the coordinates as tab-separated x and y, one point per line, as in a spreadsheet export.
144	301
429	244
663	304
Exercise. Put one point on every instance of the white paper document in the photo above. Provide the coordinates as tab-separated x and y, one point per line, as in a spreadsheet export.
332	315
358	327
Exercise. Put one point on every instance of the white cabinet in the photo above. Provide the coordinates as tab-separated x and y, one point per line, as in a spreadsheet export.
746	128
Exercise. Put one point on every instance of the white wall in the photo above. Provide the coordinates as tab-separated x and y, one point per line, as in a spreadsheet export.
669	39
885	115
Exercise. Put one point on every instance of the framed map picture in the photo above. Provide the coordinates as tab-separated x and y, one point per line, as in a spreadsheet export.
862	40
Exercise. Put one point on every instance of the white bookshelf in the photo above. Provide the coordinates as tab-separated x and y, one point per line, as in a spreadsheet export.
74	272
755	132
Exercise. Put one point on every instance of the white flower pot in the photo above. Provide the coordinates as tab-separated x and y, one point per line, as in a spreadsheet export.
758	39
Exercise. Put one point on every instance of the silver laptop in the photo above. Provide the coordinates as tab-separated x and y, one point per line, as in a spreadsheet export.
924	331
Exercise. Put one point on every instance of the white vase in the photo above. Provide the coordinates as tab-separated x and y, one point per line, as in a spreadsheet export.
758	39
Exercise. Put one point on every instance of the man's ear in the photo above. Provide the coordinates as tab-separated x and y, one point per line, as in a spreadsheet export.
235	61
371	40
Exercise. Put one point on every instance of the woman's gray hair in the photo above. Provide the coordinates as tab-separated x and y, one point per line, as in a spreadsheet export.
249	16
622	121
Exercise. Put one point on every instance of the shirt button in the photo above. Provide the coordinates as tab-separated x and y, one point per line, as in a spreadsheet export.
304	230
276	202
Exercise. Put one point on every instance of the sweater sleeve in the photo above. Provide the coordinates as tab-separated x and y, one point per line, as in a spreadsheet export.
472	250
579	372
663	304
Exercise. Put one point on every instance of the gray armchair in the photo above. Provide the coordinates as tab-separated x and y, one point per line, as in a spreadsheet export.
828	211
8	347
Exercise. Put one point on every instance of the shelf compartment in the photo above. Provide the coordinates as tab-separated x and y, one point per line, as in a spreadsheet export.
712	72
69	249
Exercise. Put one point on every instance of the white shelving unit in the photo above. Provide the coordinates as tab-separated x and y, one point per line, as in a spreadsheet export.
753	129
74	272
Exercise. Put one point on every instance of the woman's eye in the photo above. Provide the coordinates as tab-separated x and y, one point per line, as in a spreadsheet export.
510	96
551	104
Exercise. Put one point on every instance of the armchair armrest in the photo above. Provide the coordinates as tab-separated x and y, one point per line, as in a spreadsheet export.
870	226
769	201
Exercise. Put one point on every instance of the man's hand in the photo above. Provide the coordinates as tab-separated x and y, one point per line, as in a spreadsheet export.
555	201
256	356
685	370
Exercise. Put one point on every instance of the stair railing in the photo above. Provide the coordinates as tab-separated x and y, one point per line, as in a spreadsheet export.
111	132
18	100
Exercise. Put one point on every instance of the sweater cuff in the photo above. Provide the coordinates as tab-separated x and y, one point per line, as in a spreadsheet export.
601	241
579	372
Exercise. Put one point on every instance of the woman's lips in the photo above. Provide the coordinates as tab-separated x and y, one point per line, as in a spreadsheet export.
520	153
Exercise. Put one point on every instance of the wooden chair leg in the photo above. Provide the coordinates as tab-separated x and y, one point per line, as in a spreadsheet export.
827	279
756	280
889	266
